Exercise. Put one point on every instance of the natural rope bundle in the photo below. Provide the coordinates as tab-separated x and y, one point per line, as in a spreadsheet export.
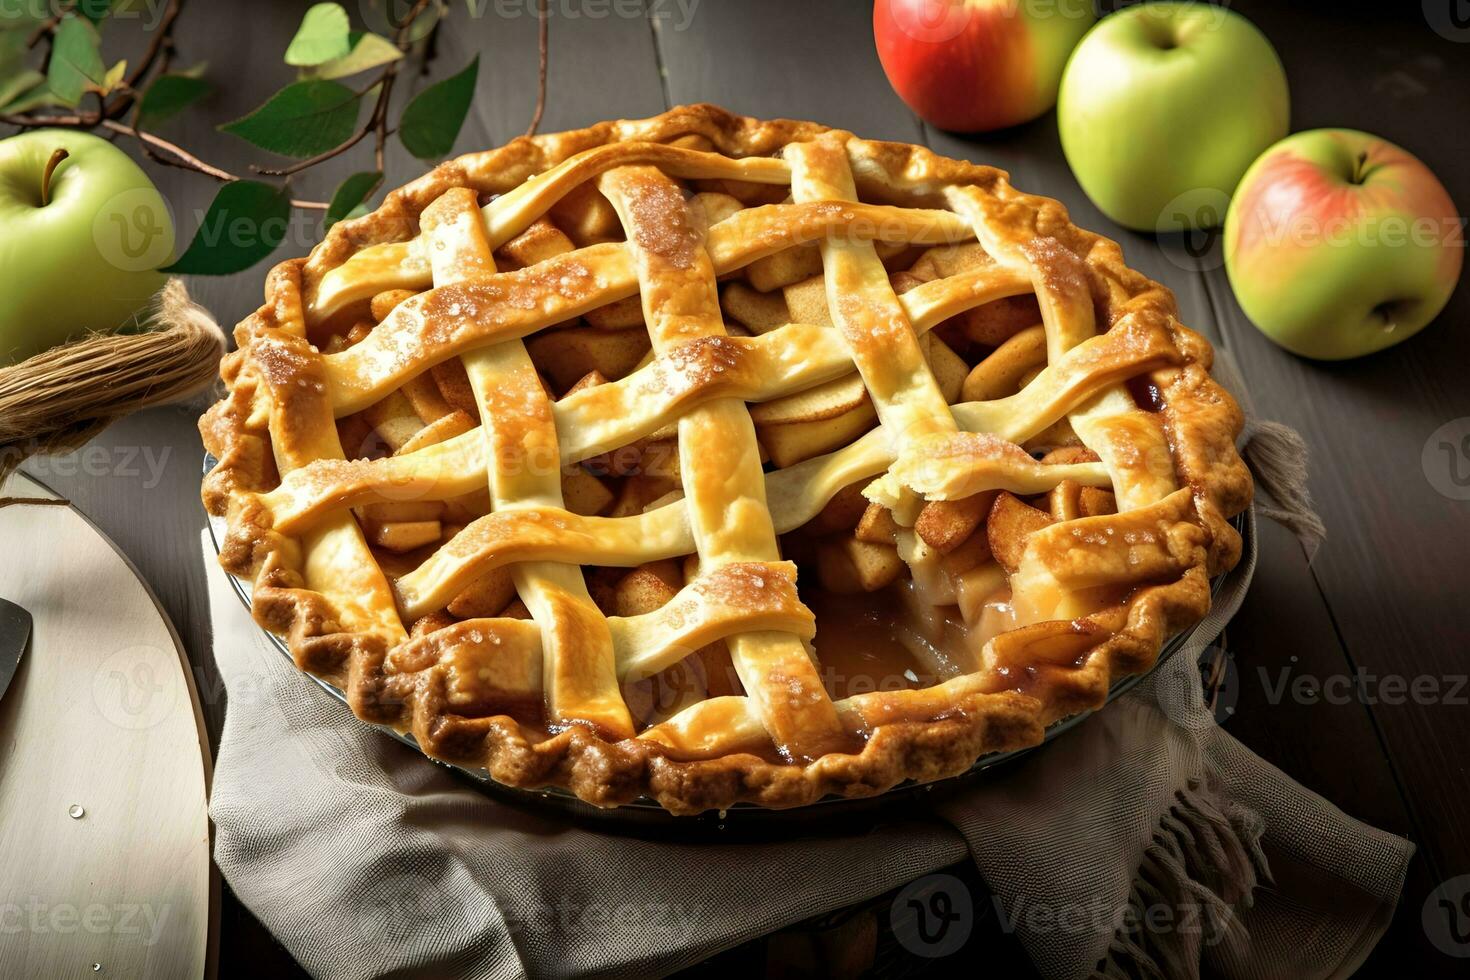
57	400
1278	460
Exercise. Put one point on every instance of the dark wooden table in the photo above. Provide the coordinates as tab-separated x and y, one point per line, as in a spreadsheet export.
1384	598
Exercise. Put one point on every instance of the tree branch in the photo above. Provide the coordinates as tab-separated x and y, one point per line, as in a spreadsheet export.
158	54
162	36
541	48
148	142
377	122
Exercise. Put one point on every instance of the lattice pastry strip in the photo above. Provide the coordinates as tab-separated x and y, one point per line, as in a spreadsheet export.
1061	597
405	265
884	345
335	558
724	488
1131	443
457	465
578	662
441	323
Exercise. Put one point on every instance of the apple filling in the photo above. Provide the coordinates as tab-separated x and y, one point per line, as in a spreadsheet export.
898	605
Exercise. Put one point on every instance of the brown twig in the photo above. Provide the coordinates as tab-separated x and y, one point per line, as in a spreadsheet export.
542	50
109	114
337	150
150	144
46	27
184	160
160	42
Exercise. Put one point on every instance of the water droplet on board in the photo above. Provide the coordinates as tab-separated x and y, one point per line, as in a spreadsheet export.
76	811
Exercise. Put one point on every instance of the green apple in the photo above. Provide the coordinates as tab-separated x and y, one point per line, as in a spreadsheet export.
1339	244
1169	101
82	236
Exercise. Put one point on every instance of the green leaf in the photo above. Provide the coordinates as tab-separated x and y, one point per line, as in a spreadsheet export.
169	95
94	10
349	194
244	224
76	64
114	76
323	35
431	122
368	51
14	88
302	119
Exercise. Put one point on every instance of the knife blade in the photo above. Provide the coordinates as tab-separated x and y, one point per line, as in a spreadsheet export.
15	630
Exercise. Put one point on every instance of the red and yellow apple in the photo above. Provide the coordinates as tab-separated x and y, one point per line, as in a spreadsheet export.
82	234
1339	244
1169	101
970	65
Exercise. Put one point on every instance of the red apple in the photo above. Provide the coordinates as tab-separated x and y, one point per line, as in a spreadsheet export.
1339	244
969	65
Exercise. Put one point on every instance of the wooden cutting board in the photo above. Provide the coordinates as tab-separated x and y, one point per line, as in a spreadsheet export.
104	765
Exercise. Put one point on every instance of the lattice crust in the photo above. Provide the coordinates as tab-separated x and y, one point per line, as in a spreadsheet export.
714	350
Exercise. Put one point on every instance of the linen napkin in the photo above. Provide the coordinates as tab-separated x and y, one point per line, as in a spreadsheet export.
1140	843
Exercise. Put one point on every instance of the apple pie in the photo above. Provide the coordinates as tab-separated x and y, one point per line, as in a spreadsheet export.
713	460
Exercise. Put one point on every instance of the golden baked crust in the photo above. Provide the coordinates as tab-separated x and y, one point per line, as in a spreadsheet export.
1140	494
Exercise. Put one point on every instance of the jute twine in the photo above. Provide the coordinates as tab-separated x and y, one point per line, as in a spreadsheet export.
56	401
1278	460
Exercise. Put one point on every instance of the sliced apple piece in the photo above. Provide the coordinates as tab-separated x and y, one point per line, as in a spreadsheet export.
1011	520
586	217
785	267
403	535
848	565
566	355
842	512
617	315
758	312
489	594
583	493
647	587
1000	373
541	241
807	302
877	525
945	524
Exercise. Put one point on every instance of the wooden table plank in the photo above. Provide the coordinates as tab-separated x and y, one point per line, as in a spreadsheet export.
1390	569
814	60
1349	769
1377	594
139	480
601	66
